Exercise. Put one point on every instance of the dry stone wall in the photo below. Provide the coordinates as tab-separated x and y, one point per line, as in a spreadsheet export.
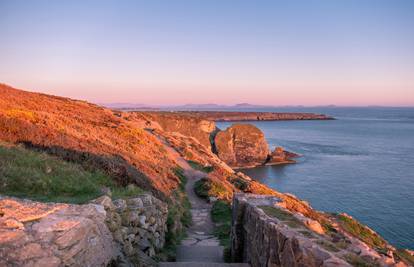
138	226
261	240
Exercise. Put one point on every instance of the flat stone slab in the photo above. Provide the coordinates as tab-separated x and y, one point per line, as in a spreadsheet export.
202	264
199	254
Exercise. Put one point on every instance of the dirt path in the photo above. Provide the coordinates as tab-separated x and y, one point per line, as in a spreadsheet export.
200	245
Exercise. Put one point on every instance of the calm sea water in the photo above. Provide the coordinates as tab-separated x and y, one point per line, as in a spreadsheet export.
362	164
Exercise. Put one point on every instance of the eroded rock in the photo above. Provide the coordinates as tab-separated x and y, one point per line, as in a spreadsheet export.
60	234
242	145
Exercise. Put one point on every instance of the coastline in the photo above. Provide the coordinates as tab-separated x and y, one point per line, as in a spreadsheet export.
243	116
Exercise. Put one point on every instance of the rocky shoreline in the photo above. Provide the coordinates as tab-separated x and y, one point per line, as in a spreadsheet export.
232	116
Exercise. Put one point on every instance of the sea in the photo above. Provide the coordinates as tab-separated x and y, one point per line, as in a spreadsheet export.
362	164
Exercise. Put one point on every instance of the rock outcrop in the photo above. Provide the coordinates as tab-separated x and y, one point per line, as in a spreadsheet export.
185	124
122	232
242	145
38	234
281	156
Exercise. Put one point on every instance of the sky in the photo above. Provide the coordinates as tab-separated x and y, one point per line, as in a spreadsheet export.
160	52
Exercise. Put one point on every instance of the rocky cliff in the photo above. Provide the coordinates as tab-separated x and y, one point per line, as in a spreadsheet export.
192	126
242	145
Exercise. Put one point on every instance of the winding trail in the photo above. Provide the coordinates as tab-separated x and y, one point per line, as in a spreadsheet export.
200	248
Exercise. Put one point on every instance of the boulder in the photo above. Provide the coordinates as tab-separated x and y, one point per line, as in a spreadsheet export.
281	156
242	145
50	234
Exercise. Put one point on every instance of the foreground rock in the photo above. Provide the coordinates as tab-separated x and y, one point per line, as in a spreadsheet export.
60	235
122	233
242	145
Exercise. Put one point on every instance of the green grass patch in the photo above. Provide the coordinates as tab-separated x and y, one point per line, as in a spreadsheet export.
39	176
221	215
283	216
221	212
360	231
126	192
197	166
179	217
179	172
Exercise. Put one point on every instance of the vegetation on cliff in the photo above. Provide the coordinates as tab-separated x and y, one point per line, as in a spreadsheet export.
179	217
39	176
221	216
95	137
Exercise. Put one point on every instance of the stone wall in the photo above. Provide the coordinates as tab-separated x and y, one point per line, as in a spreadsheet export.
138	226
263	240
103	233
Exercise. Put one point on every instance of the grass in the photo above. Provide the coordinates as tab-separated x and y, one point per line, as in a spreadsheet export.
179	172
403	255
328	245
282	215
221	216
362	232
238	182
358	261
202	188
179	217
221	212
126	192
206	188
39	176
197	166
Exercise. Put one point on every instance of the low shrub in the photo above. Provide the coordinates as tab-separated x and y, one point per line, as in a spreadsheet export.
359	261
403	255
360	231
197	166
202	187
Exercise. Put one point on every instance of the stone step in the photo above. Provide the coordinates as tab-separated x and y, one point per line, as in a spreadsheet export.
202	264
199	254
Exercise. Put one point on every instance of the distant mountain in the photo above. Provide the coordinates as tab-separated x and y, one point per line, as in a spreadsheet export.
205	107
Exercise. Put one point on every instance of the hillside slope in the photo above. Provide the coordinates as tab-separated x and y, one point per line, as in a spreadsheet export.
88	134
